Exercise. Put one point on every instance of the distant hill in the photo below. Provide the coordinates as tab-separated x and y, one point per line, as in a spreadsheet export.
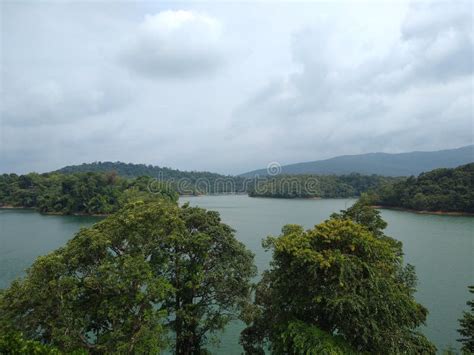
187	181
131	170
403	164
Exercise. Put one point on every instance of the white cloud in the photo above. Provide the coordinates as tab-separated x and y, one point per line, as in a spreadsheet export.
175	44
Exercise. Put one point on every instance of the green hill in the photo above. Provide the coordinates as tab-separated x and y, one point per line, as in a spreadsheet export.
186	182
450	190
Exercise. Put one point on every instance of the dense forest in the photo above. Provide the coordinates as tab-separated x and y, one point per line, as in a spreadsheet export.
79	193
450	190
156	276
105	187
324	186
186	182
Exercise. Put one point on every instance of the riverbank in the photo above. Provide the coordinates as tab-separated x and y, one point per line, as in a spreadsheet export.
440	213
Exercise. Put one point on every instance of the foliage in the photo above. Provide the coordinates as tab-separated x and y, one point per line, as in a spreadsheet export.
324	186
467	327
450	190
121	284
13	343
362	213
283	186
81	193
343	278
185	182
298	337
100	291
211	272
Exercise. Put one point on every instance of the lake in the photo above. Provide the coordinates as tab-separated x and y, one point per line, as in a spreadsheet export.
440	247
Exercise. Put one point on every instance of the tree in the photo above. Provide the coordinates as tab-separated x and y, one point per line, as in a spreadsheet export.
84	193
121	284
444	189
467	327
100	292
211	272
341	278
362	213
14	344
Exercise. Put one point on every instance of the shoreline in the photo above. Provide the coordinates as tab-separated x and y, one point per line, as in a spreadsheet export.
379	207
438	213
77	214
307	198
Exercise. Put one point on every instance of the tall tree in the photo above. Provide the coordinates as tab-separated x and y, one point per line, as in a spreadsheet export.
119	285
211	272
340	278
99	292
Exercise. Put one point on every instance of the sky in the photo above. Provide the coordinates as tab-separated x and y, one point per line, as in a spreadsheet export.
230	86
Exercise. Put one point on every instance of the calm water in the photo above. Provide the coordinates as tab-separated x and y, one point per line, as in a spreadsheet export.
441	248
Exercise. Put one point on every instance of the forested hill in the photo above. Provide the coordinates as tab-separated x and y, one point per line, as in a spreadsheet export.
449	190
79	193
403	164
187	181
318	186
130	170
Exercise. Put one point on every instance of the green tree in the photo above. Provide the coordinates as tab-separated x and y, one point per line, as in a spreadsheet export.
343	278
121	284
211	272
13	343
362	213
100	292
449	190
83	193
467	327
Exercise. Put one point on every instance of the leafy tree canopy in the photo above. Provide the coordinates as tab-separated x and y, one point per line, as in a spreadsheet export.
324	186
81	193
343	279
120	285
450	190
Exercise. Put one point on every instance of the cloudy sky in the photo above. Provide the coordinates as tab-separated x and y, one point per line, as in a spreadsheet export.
229	87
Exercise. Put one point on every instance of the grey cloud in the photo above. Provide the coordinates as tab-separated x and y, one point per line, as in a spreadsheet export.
334	78
388	100
53	101
54	65
175	44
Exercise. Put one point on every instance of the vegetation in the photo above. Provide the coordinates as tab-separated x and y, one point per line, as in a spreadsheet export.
185	182
324	186
341	287
154	275
13	343
467	327
107	192
210	272
450	190
120	285
81	193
